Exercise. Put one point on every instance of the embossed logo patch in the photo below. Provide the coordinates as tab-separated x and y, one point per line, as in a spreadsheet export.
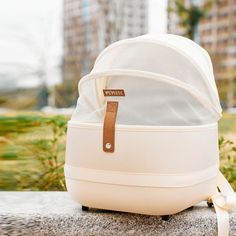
113	92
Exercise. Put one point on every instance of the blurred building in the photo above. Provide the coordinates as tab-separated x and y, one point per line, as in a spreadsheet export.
91	25
217	34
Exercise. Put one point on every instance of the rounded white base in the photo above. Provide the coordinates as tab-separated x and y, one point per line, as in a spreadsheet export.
141	200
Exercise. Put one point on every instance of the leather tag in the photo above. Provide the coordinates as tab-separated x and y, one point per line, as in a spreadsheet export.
114	92
109	126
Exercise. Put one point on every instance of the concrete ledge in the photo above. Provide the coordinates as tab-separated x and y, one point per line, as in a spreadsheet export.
54	213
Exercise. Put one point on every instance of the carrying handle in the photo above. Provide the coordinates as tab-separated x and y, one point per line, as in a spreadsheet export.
224	201
109	126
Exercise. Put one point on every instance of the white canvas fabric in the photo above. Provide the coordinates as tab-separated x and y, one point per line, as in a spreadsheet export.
166	141
135	64
155	100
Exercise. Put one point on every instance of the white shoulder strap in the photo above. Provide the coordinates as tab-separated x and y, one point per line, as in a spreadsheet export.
224	201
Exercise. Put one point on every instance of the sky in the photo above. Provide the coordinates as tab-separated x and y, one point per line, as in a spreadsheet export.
157	16
31	41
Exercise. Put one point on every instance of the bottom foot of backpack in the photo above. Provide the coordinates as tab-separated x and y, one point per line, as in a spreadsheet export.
209	203
165	218
84	208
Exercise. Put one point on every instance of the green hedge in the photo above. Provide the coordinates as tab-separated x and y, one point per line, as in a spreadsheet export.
228	160
32	152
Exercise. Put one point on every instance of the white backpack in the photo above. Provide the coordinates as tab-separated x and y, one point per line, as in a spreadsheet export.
143	137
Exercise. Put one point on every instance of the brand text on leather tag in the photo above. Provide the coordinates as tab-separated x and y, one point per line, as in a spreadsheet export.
113	92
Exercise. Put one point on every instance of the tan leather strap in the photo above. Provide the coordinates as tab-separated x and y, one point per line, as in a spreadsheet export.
109	127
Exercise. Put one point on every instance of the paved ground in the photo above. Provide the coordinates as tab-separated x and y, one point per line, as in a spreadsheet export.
54	213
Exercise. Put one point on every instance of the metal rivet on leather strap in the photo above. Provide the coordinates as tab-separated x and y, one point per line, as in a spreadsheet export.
108	145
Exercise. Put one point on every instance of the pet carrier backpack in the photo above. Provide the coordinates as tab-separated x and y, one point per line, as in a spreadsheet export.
143	137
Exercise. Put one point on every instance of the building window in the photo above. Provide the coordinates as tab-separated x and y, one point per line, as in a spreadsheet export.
86	10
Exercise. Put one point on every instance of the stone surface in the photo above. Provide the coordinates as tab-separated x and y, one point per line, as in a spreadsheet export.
54	213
